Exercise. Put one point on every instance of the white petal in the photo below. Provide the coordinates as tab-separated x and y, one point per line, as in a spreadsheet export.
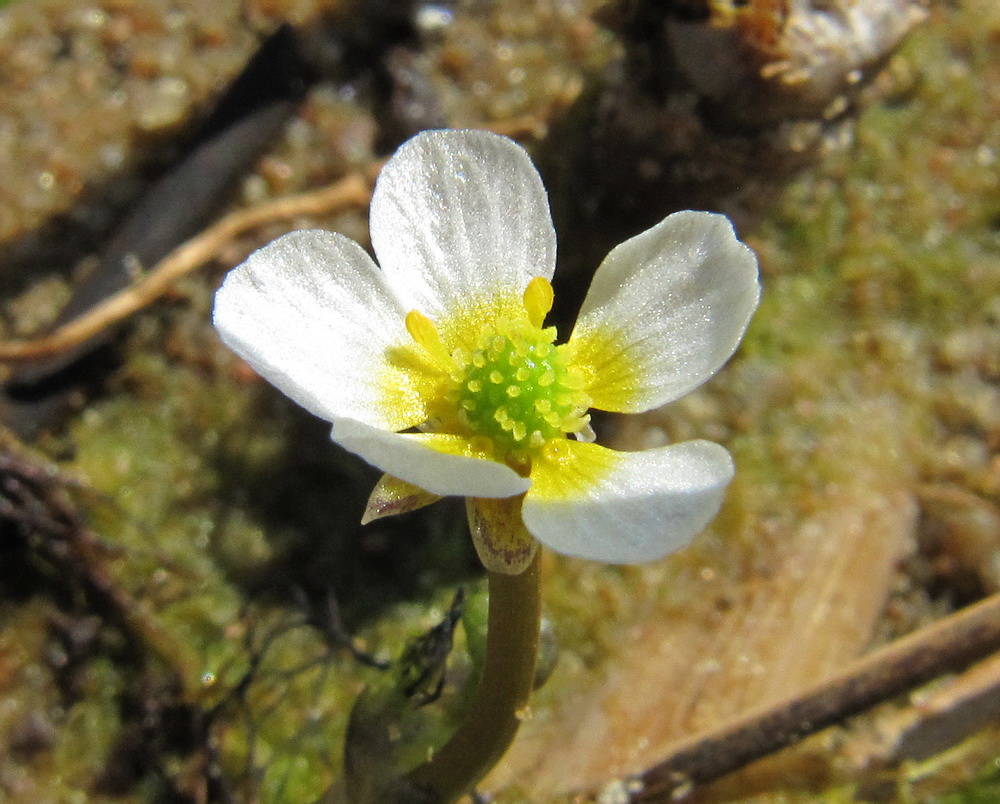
626	507
457	216
312	314
438	463
665	311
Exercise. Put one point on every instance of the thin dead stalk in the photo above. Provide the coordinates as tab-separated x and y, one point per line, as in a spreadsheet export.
349	192
947	645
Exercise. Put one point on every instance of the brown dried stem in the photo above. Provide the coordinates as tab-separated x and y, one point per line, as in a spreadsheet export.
350	191
947	645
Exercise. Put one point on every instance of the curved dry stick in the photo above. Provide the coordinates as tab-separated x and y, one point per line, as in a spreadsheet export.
350	191
946	645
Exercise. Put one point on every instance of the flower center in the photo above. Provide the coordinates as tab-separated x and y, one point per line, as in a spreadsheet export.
516	390
513	389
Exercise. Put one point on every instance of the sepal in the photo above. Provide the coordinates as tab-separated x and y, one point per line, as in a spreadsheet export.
392	496
502	542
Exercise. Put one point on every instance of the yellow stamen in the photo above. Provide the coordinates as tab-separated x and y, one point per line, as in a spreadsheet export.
538	298
423	331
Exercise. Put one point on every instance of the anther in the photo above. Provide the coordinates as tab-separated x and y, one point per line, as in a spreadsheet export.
538	298
423	331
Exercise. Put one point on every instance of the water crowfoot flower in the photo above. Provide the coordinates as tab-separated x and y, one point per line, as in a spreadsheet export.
436	367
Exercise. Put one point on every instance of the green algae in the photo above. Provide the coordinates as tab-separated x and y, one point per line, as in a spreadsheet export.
985	789
171	464
55	743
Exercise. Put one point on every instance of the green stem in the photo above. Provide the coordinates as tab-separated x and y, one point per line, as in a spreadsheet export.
497	708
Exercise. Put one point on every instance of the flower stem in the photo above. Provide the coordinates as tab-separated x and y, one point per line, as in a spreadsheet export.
497	707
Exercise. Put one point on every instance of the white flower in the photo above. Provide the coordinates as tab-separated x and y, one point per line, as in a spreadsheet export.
434	365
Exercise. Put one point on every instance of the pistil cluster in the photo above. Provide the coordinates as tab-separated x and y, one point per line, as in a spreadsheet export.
513	391
516	390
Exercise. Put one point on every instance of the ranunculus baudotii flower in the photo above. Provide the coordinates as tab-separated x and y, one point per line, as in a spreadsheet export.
436	367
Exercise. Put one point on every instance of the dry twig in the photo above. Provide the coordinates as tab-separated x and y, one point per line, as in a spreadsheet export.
949	644
350	191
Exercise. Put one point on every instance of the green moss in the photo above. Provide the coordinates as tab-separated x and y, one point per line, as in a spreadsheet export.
196	469
985	789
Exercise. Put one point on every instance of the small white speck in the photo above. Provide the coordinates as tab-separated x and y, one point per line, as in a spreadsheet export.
516	75
432	18
614	793
94	18
112	156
